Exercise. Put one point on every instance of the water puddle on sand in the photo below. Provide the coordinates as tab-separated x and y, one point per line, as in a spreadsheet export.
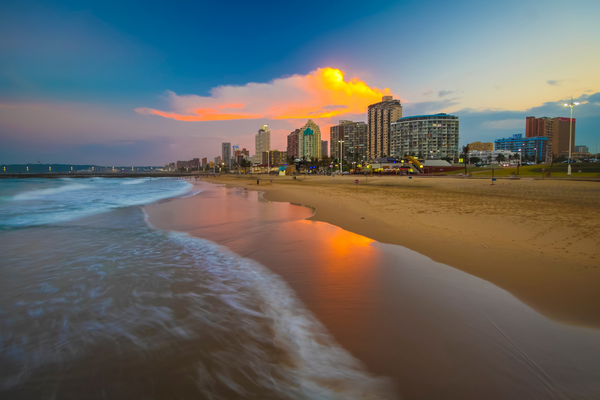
437	332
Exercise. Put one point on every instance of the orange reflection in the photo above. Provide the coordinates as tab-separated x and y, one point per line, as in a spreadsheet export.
340	243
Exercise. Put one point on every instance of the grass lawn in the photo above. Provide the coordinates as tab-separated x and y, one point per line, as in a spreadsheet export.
557	170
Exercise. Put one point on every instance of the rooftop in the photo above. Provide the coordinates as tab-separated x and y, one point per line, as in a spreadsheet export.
428	116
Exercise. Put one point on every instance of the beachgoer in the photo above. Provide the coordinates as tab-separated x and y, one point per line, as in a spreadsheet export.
258	181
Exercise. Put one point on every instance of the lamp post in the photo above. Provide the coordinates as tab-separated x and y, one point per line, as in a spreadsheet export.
535	148
268	163
341	142
570	105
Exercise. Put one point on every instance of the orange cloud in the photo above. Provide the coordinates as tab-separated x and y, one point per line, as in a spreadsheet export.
323	93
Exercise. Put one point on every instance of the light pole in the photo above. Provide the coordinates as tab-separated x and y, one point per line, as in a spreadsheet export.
341	142
570	105
268	163
535	148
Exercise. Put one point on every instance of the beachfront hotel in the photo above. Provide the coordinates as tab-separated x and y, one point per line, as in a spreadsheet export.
262	143
355	138
534	148
555	129
427	136
379	117
226	154
309	140
292	144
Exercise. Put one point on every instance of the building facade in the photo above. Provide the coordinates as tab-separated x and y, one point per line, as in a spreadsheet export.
479	146
262	140
581	149
355	140
534	148
274	157
489	156
427	136
292	144
226	154
309	141
555	129
379	118
324	150
204	161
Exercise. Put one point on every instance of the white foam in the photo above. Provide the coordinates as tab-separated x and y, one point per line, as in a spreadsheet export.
42	193
321	368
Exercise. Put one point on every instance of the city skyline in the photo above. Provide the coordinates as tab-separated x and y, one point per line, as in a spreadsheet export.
91	84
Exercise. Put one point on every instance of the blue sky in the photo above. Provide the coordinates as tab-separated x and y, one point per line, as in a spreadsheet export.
72	74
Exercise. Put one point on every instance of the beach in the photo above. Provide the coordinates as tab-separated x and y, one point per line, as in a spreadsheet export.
435	327
539	240
221	288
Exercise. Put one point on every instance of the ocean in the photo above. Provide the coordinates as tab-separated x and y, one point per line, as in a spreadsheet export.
97	303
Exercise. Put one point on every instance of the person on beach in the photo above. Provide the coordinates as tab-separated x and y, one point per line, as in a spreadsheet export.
258	181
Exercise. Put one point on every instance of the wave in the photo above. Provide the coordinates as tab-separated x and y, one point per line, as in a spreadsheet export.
71	201
321	368
43	193
178	310
135	181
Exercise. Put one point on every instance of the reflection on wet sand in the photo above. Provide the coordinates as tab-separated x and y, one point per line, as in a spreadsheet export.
438	332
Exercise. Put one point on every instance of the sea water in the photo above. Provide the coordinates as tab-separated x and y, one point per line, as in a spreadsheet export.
95	303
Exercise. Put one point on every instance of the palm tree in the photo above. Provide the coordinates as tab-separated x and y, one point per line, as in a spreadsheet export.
465	152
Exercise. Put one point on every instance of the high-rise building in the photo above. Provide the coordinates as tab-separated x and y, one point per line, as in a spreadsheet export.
478	146
204	161
533	147
262	140
324	148
292	143
581	149
226	154
380	117
427	136
555	129
355	140
309	141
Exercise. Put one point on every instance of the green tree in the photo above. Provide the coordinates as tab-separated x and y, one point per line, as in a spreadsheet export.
500	157
245	164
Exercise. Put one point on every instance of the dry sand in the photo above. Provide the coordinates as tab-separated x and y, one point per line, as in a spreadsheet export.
539	240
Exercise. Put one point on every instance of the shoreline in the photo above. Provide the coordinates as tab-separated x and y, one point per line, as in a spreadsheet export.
504	234
435	331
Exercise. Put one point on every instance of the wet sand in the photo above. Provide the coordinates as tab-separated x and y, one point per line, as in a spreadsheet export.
435	331
539	240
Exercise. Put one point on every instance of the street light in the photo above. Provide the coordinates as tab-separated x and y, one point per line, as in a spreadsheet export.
571	105
535	148
341	142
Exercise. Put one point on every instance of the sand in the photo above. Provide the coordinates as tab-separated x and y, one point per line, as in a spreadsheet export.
432	330
539	240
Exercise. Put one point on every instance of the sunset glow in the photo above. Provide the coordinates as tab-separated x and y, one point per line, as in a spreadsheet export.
323	93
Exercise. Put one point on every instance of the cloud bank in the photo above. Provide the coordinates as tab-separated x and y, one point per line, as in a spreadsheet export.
323	93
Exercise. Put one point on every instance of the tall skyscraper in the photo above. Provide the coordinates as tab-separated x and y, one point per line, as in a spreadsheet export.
226	154
204	161
309	140
292	144
380	116
555	129
324	149
355	137
262	140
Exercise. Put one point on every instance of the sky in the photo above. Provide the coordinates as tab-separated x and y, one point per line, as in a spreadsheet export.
148	83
